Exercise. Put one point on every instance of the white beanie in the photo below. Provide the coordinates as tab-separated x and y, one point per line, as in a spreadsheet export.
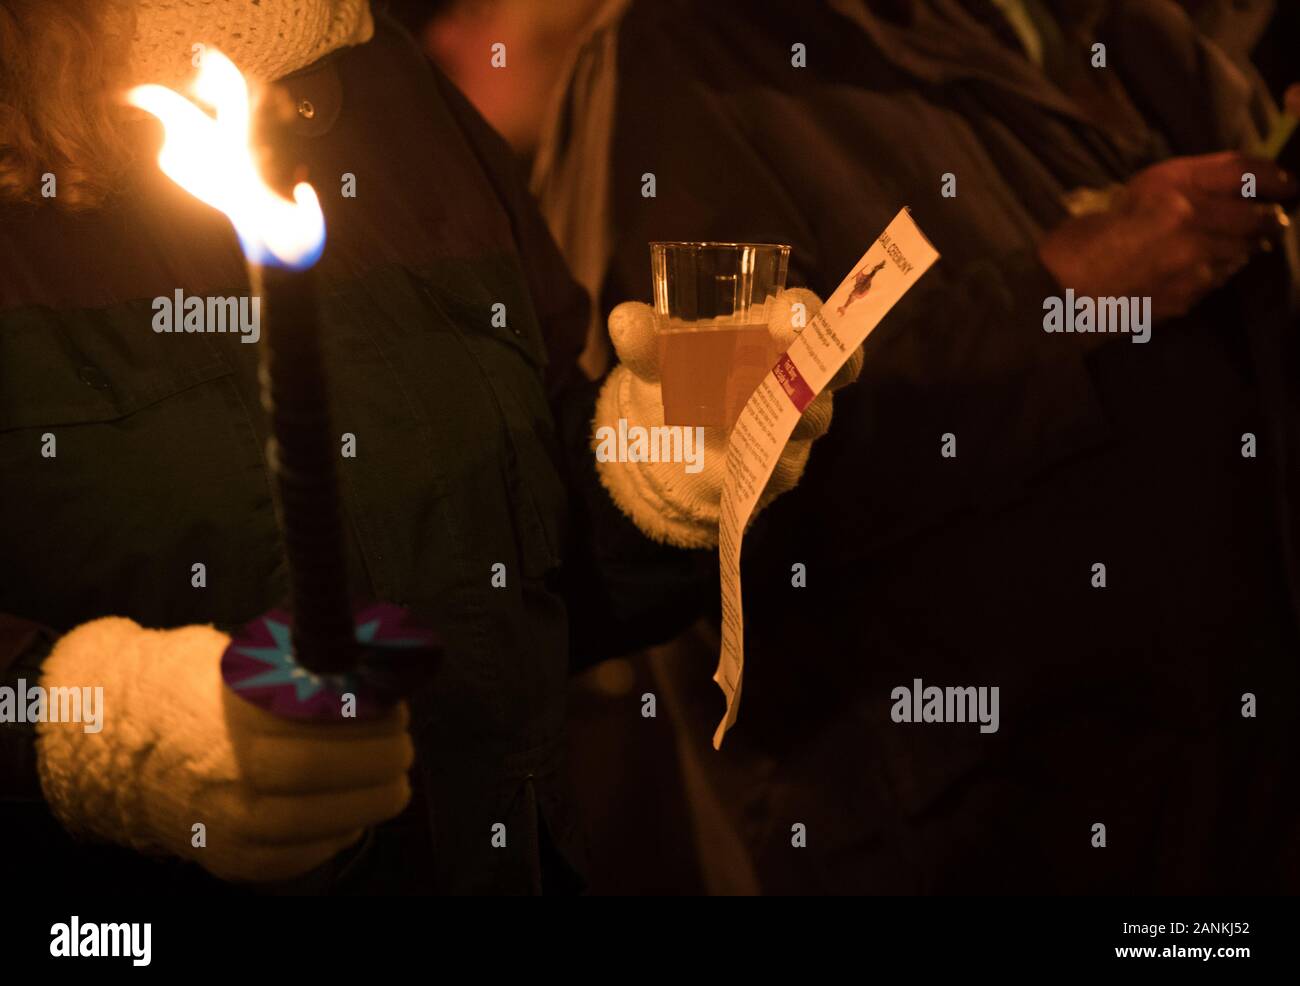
266	39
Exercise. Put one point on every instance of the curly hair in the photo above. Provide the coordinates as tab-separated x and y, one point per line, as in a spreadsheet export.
62	63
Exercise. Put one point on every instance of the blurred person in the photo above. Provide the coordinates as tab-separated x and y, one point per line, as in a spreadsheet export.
510	86
160	464
130	455
1114	542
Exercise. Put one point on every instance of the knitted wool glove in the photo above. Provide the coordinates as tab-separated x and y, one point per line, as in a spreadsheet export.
177	748
665	501
267	39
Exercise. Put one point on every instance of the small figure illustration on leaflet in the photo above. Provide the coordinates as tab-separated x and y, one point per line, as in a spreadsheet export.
861	286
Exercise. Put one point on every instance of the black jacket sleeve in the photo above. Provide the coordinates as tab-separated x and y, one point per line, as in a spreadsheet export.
23	646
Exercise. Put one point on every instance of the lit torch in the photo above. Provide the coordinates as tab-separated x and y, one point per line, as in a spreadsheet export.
296	664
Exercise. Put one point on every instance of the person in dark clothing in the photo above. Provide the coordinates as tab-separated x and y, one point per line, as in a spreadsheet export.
140	522
1105	532
159	465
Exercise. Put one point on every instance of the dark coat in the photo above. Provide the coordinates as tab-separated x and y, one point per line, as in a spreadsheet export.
161	462
1120	705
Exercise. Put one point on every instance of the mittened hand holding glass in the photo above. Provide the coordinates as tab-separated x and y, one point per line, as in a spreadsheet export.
674	499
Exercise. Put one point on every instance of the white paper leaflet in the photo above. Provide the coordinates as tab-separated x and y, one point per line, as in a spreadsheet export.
885	273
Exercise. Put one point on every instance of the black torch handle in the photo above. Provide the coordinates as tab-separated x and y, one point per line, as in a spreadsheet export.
303	454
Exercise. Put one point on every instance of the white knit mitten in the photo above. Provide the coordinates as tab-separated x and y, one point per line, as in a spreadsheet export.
274	798
667	502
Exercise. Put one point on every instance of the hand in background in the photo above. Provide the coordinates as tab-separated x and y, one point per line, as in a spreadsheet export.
1178	230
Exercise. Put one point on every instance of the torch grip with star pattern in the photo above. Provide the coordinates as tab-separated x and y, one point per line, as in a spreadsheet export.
261	666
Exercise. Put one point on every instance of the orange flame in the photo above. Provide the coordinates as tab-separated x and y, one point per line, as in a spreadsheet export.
212	159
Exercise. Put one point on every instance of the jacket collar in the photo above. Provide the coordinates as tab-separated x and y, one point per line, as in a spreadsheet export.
317	96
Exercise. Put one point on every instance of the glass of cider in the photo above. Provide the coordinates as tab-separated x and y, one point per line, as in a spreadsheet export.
712	302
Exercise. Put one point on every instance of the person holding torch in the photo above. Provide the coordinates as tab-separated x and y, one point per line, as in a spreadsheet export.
144	521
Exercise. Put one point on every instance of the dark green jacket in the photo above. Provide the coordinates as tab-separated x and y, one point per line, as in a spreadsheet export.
160	459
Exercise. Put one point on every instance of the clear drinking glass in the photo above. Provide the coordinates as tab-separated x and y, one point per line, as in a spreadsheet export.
711	310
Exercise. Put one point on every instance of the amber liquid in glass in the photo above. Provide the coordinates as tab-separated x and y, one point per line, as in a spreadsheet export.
709	368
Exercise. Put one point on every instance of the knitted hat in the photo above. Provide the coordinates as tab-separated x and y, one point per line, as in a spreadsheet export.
266	39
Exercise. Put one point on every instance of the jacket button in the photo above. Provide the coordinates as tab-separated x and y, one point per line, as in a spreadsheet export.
93	376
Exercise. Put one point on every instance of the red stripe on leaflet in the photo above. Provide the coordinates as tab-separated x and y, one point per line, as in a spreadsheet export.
792	382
